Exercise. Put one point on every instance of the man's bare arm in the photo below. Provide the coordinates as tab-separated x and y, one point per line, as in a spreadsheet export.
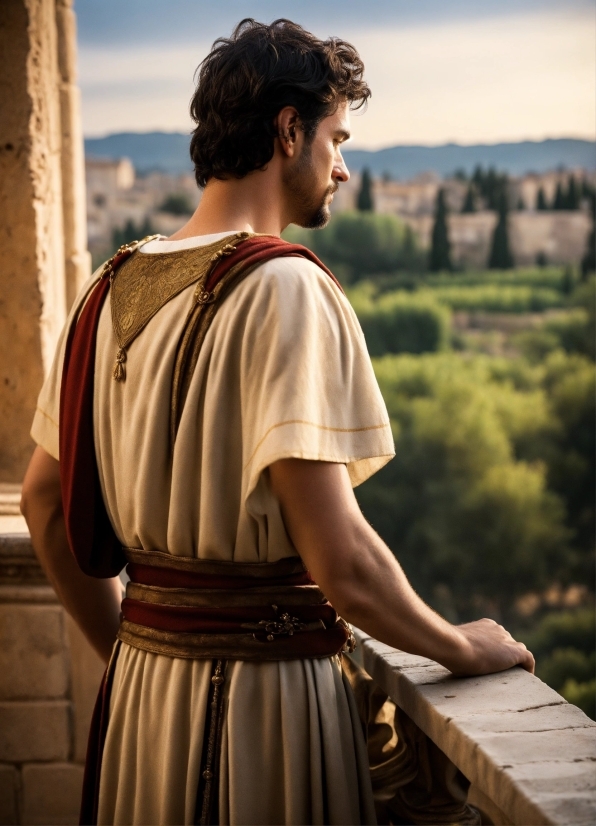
94	604
364	582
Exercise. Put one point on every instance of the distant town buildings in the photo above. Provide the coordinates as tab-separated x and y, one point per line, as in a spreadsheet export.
117	198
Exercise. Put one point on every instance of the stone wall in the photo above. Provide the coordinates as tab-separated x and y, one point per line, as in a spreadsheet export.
42	207
49	678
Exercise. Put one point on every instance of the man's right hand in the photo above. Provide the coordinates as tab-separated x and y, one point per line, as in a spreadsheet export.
488	647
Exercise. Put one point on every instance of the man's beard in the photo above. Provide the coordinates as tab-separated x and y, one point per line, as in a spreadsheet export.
311	211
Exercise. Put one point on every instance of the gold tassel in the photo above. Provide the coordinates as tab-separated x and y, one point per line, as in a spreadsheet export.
119	368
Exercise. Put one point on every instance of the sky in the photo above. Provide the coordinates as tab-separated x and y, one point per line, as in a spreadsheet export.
464	71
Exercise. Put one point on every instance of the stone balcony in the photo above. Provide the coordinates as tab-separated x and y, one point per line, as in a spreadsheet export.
505	743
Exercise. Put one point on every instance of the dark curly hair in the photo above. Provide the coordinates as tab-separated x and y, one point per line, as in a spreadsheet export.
248	78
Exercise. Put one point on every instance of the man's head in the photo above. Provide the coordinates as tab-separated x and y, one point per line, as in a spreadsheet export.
278	88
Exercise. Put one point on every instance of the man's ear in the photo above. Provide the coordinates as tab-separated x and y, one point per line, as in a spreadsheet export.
286	125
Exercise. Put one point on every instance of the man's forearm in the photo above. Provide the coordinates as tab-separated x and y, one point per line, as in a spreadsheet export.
370	590
94	604
364	581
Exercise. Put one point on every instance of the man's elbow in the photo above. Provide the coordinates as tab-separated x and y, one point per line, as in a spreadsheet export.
41	486
29	495
350	597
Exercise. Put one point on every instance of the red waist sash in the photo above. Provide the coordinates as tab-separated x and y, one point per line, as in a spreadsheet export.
200	609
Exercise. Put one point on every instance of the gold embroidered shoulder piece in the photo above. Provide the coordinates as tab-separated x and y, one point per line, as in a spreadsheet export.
147	281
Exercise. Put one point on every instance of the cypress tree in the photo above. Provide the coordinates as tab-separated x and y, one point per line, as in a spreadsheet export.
470	200
573	194
541	204
559	202
520	204
440	252
364	202
492	188
478	177
500	254
589	259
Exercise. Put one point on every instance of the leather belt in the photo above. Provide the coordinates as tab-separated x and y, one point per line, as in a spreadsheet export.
208	609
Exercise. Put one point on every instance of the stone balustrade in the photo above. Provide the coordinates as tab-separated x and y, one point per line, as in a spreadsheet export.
529	755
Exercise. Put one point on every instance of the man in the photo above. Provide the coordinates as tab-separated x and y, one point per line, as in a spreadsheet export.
281	417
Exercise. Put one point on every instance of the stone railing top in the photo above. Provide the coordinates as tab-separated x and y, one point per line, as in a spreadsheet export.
518	741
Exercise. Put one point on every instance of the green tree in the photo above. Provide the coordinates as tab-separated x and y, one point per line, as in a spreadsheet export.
440	252
570	384
178	203
400	322
470	200
572	197
563	644
589	259
131	232
500	255
560	200
541	204
464	504
364	201
359	244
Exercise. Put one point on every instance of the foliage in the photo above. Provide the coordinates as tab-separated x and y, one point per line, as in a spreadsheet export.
585	296
400	322
493	298
566	197
563	630
570	332
571	386
440	251
465	504
551	278
582	695
559	201
364	200
541	204
131	232
356	244
564	646
589	259
500	257
177	204
490	185
469	201
491	494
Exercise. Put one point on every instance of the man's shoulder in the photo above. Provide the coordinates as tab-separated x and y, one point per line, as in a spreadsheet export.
291	274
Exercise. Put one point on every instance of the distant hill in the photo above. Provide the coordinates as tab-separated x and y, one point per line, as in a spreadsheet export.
168	152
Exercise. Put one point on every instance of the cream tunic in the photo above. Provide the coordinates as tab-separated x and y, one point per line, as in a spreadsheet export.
283	372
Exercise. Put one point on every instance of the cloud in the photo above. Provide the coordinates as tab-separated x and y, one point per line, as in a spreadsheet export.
480	81
484	79
164	22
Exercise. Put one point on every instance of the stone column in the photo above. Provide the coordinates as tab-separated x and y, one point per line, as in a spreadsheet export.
32	273
77	260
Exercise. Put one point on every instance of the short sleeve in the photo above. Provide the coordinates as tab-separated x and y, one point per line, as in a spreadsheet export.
45	427
309	388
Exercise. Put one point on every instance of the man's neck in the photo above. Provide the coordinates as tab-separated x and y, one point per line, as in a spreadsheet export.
252	204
